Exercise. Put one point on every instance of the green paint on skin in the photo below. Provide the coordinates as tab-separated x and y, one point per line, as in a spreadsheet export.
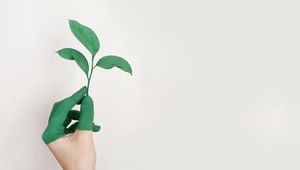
62	115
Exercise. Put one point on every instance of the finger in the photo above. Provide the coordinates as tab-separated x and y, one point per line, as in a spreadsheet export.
74	114
86	114
85	126
61	109
68	103
79	102
72	128
67	121
96	128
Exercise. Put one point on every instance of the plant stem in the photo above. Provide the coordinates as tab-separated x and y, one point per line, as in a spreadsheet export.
90	77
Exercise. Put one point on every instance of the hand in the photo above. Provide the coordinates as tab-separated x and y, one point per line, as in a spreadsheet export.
72	146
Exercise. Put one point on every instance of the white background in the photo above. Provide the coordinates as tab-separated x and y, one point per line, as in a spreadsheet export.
215	86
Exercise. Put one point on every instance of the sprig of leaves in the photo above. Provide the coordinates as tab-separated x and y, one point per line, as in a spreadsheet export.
90	41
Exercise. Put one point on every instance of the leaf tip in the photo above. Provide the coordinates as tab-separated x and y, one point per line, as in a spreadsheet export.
71	20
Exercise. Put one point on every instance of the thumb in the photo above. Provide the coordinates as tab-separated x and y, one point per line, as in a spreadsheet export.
86	114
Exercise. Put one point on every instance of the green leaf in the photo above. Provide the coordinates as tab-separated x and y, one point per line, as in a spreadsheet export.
82	63
110	61
68	53
72	54
86	36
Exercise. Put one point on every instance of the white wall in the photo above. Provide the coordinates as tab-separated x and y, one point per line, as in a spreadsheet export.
215	86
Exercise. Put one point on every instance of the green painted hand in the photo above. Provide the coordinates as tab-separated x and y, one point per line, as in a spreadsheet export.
62	115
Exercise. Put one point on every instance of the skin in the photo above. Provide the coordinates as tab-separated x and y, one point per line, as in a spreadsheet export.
75	151
72	144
